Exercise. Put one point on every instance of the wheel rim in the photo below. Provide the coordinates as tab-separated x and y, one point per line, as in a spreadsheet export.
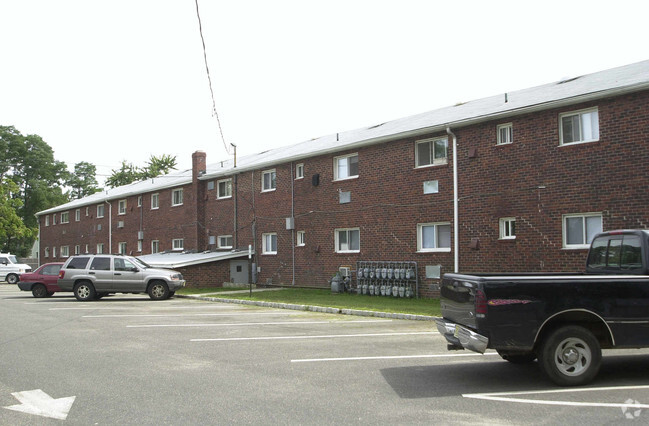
12	279
40	291
83	291
573	356
158	291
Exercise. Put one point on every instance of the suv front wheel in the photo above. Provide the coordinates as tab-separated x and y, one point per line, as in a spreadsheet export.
84	291
158	290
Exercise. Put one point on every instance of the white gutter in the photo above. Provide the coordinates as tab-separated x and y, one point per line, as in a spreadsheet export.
456	224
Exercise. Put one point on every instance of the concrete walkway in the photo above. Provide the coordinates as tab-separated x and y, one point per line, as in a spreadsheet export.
216	297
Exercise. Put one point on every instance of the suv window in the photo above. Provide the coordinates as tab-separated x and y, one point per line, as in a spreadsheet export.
123	265
78	263
100	264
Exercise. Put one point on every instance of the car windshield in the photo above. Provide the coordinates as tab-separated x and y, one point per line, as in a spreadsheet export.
139	262
13	259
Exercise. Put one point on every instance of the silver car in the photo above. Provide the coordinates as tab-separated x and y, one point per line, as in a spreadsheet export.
93	276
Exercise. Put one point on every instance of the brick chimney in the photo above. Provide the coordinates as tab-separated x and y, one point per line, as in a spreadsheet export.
199	160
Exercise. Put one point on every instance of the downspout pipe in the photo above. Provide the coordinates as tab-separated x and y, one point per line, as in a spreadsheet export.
110	226
456	224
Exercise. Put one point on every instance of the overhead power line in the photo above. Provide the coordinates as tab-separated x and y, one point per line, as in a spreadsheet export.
209	79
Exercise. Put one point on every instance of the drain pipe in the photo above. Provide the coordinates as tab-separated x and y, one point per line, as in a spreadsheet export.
456	225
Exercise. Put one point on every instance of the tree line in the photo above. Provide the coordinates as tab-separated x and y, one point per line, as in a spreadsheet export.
32	180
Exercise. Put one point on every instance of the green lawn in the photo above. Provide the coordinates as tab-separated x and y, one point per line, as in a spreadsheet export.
317	297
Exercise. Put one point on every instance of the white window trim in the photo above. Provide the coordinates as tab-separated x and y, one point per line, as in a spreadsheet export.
157	198
218	241
341	157
173	193
46	252
47	220
65	251
264	249
420	239
77	215
432	142
100	248
182	244
121	211
155	243
103	211
264	173
301	239
65	217
139	201
299	171
578	112
501	224
564	229
502	126
337	240
121	245
218	189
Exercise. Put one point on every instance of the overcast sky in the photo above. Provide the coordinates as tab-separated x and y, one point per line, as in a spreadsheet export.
111	80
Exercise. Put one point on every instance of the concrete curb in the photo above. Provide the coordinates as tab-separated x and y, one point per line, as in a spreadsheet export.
322	309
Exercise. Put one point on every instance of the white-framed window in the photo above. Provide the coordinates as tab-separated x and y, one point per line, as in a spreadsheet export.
155	246
177	197
54	219
121	247
65	251
224	189
579	126
299	171
269	243
301	238
505	133
348	240
100	211
47	220
434	237
121	207
579	229
86	249
139	246
87	211
65	217
431	187
77	215
346	167
268	180
54	252
507	228
225	241
155	201
139	201
47	252
77	249
178	243
210	185
100	248
429	152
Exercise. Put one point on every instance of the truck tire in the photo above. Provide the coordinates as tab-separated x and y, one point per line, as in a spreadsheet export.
158	290
12	278
570	356
84	291
39	290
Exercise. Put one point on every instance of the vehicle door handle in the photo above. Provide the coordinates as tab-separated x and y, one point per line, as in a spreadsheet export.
117	273
91	273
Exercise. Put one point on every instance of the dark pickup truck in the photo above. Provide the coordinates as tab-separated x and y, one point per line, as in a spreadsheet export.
564	320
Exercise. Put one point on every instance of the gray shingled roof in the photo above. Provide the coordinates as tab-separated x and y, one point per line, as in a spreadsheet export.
625	79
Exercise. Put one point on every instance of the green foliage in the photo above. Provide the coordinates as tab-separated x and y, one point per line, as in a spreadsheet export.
12	228
83	181
129	173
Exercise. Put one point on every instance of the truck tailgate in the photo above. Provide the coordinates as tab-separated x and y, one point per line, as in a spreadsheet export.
458	299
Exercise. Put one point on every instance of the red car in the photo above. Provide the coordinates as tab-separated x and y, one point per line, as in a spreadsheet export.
41	282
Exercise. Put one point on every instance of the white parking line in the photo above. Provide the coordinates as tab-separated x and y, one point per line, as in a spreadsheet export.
506	397
235	324
125	308
189	315
328	336
367	358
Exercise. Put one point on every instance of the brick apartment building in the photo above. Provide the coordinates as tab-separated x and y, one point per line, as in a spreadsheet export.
514	182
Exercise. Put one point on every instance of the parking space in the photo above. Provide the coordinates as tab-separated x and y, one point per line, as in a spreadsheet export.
127	359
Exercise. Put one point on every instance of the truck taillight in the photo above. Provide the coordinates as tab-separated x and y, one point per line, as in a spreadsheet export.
480	303
61	274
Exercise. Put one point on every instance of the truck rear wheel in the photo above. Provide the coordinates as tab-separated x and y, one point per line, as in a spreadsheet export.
570	356
84	291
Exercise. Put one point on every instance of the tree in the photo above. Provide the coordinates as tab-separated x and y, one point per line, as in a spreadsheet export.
129	173
12	228
83	181
29	163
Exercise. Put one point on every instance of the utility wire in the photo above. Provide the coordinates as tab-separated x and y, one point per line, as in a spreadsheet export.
209	79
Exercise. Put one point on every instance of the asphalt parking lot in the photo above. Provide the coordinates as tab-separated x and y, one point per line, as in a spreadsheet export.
129	360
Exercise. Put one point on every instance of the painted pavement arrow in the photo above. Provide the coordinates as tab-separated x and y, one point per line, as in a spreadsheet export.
39	403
